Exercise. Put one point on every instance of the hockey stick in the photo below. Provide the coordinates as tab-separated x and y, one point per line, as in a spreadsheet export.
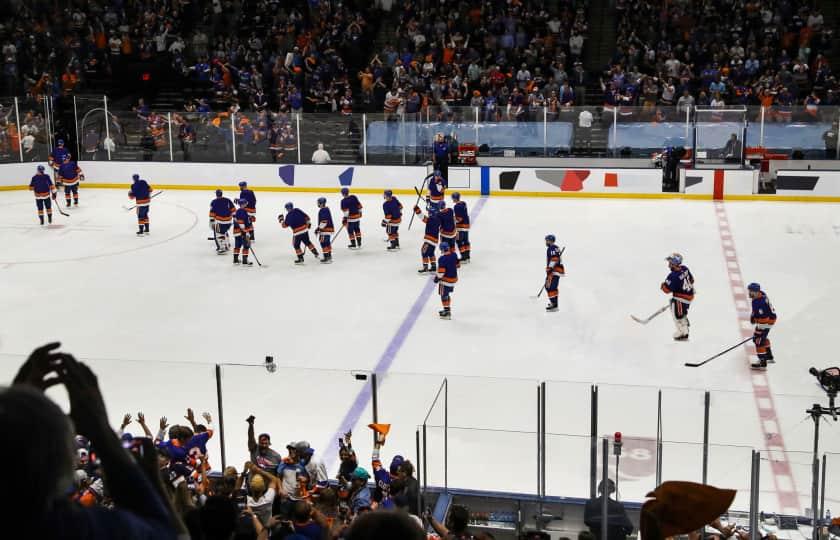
58	207
128	208
655	314
251	249
543	286
721	353
419	196
332	240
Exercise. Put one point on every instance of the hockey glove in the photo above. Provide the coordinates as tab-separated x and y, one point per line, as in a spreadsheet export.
416	209
280	218
344	221
81	178
437	279
318	230
384	223
54	195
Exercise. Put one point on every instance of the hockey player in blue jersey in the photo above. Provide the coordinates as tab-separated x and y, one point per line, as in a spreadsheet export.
437	187
56	157
430	238
462	226
297	220
680	284
446	278
554	270
141	194
352	210
392	208
70	175
221	218
763	316
44	190
241	233
325	229
248	195
448	233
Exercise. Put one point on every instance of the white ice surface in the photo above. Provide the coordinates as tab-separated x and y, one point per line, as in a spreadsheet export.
153	315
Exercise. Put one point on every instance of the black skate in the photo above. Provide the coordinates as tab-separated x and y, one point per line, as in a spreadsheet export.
433	267
235	259
299	259
769	356
327	258
246	262
760	364
445	314
352	244
140	232
423	270
393	247
551	307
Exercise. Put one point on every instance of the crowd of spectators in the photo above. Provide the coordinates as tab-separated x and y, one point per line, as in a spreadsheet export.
671	55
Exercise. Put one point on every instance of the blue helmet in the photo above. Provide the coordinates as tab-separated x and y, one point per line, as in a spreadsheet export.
289	207
388	193
444	246
754	287
550	238
441	205
243	184
218	193
40	168
345	191
135	177
456	196
60	142
437	172
322	201
674	259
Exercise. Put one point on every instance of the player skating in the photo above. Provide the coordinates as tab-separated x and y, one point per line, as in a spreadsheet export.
248	195
392	208
447	225
44	190
297	220
352	210
241	233
554	269
141	194
70	175
763	316
437	187
430	238
680	284
221	218
325	229
462	225
446	278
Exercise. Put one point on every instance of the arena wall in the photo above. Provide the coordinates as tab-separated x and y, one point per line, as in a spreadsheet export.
798	185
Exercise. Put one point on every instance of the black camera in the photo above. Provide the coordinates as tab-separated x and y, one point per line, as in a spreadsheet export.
829	379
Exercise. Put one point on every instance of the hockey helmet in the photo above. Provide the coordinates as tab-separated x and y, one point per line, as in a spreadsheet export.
441	205
754	287
437	172
550	238
40	168
243	184
135	177
388	193
456	196
322	201
674	259
218	193
289	207
60	142
345	191
444	246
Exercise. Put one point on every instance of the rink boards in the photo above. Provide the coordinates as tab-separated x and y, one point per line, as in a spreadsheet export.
793	185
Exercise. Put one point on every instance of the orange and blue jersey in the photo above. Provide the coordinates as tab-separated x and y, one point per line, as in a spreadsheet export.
222	209
680	283
179	453
42	185
69	173
141	192
430	235
325	222
447	222
352	208
249	196
553	261
393	211
296	220
437	186
763	315
448	269
462	216
242	221
56	157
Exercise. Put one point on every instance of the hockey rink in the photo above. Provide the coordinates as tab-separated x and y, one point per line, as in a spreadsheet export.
154	315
